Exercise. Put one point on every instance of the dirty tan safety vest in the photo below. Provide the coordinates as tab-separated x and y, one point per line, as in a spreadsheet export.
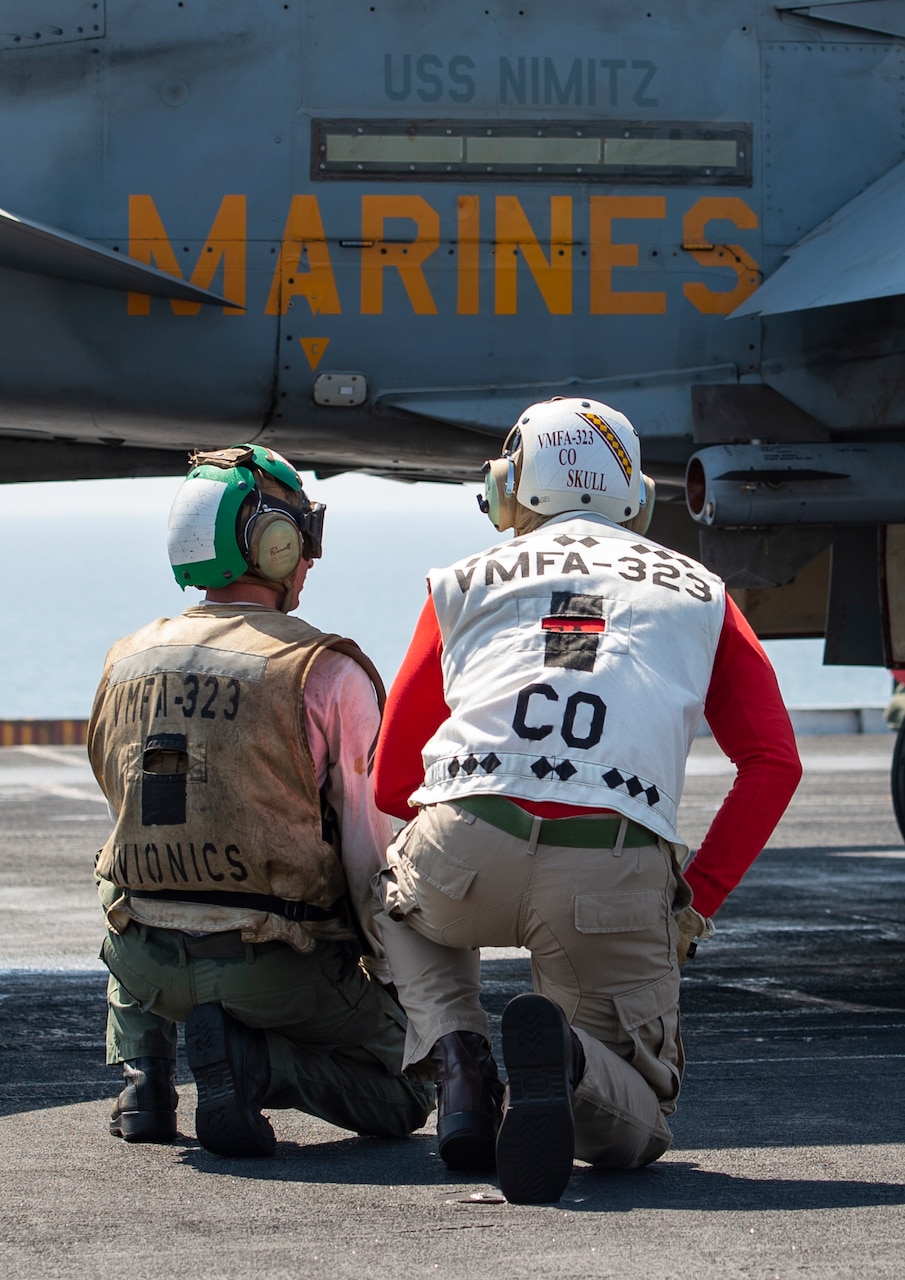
198	739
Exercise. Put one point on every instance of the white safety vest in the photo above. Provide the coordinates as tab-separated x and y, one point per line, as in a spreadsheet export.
576	661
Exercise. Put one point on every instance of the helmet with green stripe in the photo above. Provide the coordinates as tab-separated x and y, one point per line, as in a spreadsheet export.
241	510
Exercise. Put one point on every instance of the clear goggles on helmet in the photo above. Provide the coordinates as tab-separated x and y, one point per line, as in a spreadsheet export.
311	523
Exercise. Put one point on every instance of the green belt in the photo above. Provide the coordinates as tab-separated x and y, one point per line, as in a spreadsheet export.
569	833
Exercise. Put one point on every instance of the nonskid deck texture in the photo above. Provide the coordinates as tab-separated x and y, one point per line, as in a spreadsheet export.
789	1139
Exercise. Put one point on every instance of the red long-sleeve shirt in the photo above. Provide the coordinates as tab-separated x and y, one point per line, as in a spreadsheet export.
744	710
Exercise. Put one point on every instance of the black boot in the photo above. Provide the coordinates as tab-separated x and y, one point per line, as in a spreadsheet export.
544	1061
469	1100
231	1067
145	1110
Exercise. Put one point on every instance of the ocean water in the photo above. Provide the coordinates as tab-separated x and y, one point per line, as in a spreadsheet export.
86	563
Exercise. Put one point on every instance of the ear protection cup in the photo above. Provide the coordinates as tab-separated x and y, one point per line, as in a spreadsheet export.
274	544
641	522
499	492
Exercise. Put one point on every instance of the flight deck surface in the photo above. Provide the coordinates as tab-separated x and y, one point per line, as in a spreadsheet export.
789	1139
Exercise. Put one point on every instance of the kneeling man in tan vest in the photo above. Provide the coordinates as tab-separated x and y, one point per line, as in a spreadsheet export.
233	744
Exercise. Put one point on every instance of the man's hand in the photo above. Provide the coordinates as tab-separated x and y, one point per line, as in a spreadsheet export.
692	925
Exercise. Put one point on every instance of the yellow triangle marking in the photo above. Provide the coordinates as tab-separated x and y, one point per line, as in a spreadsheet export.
314	349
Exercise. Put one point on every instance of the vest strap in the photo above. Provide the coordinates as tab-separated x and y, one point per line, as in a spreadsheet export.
568	833
289	908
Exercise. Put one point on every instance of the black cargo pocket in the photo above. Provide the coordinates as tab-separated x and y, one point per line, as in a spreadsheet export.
164	767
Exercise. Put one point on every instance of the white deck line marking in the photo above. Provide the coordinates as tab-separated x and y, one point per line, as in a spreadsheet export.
48	753
831	1053
802	997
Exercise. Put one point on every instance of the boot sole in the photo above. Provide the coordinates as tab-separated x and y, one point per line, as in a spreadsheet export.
225	1123
536	1143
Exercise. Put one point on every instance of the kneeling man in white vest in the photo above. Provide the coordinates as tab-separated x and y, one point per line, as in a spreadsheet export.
539	727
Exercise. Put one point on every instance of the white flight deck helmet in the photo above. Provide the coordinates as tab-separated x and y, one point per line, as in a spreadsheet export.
568	454
242	510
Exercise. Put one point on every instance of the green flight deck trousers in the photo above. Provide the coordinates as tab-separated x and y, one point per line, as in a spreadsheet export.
335	1036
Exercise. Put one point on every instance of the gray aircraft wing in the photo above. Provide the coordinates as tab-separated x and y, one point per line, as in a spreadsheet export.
26	245
886	16
858	253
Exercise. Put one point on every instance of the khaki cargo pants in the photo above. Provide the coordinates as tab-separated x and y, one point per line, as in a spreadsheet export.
598	923
335	1037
